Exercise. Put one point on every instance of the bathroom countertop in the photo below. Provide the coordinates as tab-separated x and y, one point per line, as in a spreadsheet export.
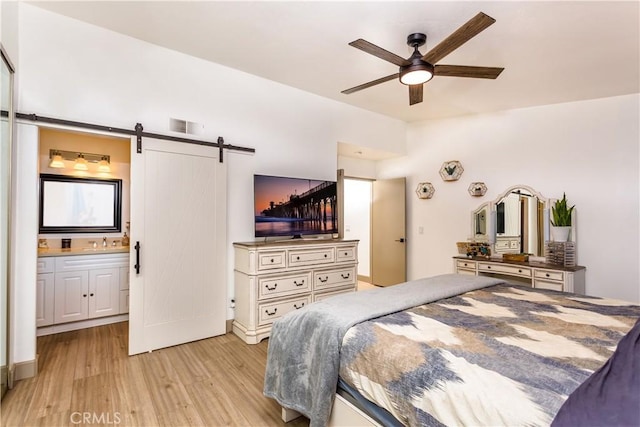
46	252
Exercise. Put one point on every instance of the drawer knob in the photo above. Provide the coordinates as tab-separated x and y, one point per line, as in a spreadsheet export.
84	295
547	274
275	310
519	271
295	282
345	276
90	295
272	260
325	255
346	253
489	267
465	264
275	285
298	258
323	280
298	307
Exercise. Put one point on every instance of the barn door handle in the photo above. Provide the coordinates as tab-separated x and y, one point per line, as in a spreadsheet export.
137	266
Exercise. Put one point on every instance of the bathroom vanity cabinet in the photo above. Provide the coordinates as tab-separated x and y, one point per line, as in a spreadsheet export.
76	291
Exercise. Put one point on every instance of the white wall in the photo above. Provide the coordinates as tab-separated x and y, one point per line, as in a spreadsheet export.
72	70
24	251
588	149
357	220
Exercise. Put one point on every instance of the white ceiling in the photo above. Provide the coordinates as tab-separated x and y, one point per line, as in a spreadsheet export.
552	52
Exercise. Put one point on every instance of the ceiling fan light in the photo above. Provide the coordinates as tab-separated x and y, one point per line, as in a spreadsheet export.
416	77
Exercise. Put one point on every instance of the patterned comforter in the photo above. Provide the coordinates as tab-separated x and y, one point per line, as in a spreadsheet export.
500	356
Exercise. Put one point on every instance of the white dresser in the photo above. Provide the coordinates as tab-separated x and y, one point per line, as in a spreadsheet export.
537	275
274	278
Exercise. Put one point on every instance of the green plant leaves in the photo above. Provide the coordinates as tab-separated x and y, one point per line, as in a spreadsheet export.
561	213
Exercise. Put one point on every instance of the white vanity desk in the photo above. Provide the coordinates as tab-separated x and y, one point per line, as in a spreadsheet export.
537	275
517	221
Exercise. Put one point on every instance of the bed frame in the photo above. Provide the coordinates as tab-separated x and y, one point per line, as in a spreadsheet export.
343	414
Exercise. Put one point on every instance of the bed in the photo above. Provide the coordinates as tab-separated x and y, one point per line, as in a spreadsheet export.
446	350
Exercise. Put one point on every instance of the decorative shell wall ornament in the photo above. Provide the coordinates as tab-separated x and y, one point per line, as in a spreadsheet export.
451	170
477	189
425	190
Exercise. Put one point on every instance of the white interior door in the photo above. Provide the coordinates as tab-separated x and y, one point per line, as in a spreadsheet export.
178	217
388	245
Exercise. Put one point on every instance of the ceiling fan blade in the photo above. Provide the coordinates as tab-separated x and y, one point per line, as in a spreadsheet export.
467	71
415	94
379	52
460	36
371	83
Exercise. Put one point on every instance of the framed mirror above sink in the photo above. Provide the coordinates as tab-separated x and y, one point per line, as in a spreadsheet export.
80	205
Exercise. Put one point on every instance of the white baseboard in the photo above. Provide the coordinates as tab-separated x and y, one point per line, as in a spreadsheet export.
82	324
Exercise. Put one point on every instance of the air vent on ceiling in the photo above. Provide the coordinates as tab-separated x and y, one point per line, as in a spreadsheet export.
183	126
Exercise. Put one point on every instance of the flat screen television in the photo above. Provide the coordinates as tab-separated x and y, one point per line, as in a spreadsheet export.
294	207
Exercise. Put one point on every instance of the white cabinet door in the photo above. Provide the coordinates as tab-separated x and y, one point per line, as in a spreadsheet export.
44	299
71	296
104	292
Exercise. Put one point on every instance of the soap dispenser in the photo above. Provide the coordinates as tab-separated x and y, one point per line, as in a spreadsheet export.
125	239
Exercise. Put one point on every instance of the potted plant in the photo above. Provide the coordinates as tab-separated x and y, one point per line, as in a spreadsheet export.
561	221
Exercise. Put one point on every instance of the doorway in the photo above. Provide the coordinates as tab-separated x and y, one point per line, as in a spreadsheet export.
374	213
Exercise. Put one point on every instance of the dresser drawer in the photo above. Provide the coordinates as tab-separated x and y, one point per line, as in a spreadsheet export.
547	284
345	254
502	244
334	278
272	287
271	260
300	257
46	265
269	312
467	265
549	275
506	269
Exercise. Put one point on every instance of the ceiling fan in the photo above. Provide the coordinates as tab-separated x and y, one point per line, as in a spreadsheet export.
419	69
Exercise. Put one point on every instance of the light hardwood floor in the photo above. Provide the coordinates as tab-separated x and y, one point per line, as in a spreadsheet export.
87	375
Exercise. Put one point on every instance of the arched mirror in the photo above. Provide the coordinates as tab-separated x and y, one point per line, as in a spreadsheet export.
517	221
521	221
6	130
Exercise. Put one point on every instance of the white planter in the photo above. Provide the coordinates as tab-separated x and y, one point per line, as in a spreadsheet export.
560	234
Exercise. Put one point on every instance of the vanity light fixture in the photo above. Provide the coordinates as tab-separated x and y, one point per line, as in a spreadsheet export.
56	161
103	165
81	163
81	160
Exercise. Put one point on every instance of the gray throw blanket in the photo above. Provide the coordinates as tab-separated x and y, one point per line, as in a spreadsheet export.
304	347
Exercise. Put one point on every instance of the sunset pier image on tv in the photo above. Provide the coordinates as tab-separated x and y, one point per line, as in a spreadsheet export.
294	206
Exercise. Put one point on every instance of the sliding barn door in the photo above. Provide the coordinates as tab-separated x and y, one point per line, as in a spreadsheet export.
178	223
